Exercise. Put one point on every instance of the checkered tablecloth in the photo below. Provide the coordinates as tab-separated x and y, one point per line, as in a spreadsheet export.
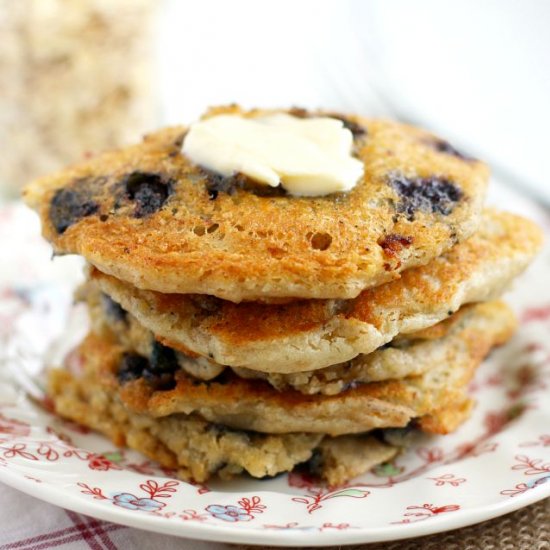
28	523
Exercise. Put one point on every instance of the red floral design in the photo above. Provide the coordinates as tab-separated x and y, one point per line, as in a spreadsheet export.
430	455
542	441
425	511
51	451
539	313
252	505
528	378
48	452
495	421
476	448
448	479
81	454
95	492
491	381
202	489
17	450
192	515
99	462
520	488
13	428
531	466
338	526
154	490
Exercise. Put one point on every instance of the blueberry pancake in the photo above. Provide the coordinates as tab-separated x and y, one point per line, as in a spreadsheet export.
153	218
156	386
199	450
406	355
313	334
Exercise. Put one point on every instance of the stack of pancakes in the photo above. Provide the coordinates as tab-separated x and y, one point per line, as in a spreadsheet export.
237	328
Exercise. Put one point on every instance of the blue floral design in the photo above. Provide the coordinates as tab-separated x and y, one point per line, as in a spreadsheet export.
131	502
229	513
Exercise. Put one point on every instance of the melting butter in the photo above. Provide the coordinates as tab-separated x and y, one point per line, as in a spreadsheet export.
307	156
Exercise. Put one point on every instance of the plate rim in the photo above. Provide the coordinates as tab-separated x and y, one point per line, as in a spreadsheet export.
282	538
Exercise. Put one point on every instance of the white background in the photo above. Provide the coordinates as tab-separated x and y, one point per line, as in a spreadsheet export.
477	72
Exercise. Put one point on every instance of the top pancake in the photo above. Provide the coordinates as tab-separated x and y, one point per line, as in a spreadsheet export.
147	215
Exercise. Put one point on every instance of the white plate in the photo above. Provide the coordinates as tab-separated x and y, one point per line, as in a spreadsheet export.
496	463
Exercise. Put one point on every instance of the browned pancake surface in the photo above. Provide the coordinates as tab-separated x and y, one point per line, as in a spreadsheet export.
147	215
255	405
312	334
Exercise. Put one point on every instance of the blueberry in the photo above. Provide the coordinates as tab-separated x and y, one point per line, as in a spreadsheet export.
158	372
163	359
443	146
431	194
351	385
161	368
400	437
216	184
113	309
131	367
148	191
68	206
315	464
356	129
160	381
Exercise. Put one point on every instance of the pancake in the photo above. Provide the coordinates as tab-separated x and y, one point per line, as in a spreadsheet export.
148	216
338	459
409	355
313	334
403	357
198	450
108	316
158	388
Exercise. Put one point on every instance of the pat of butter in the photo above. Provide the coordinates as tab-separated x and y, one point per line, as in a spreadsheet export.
307	156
